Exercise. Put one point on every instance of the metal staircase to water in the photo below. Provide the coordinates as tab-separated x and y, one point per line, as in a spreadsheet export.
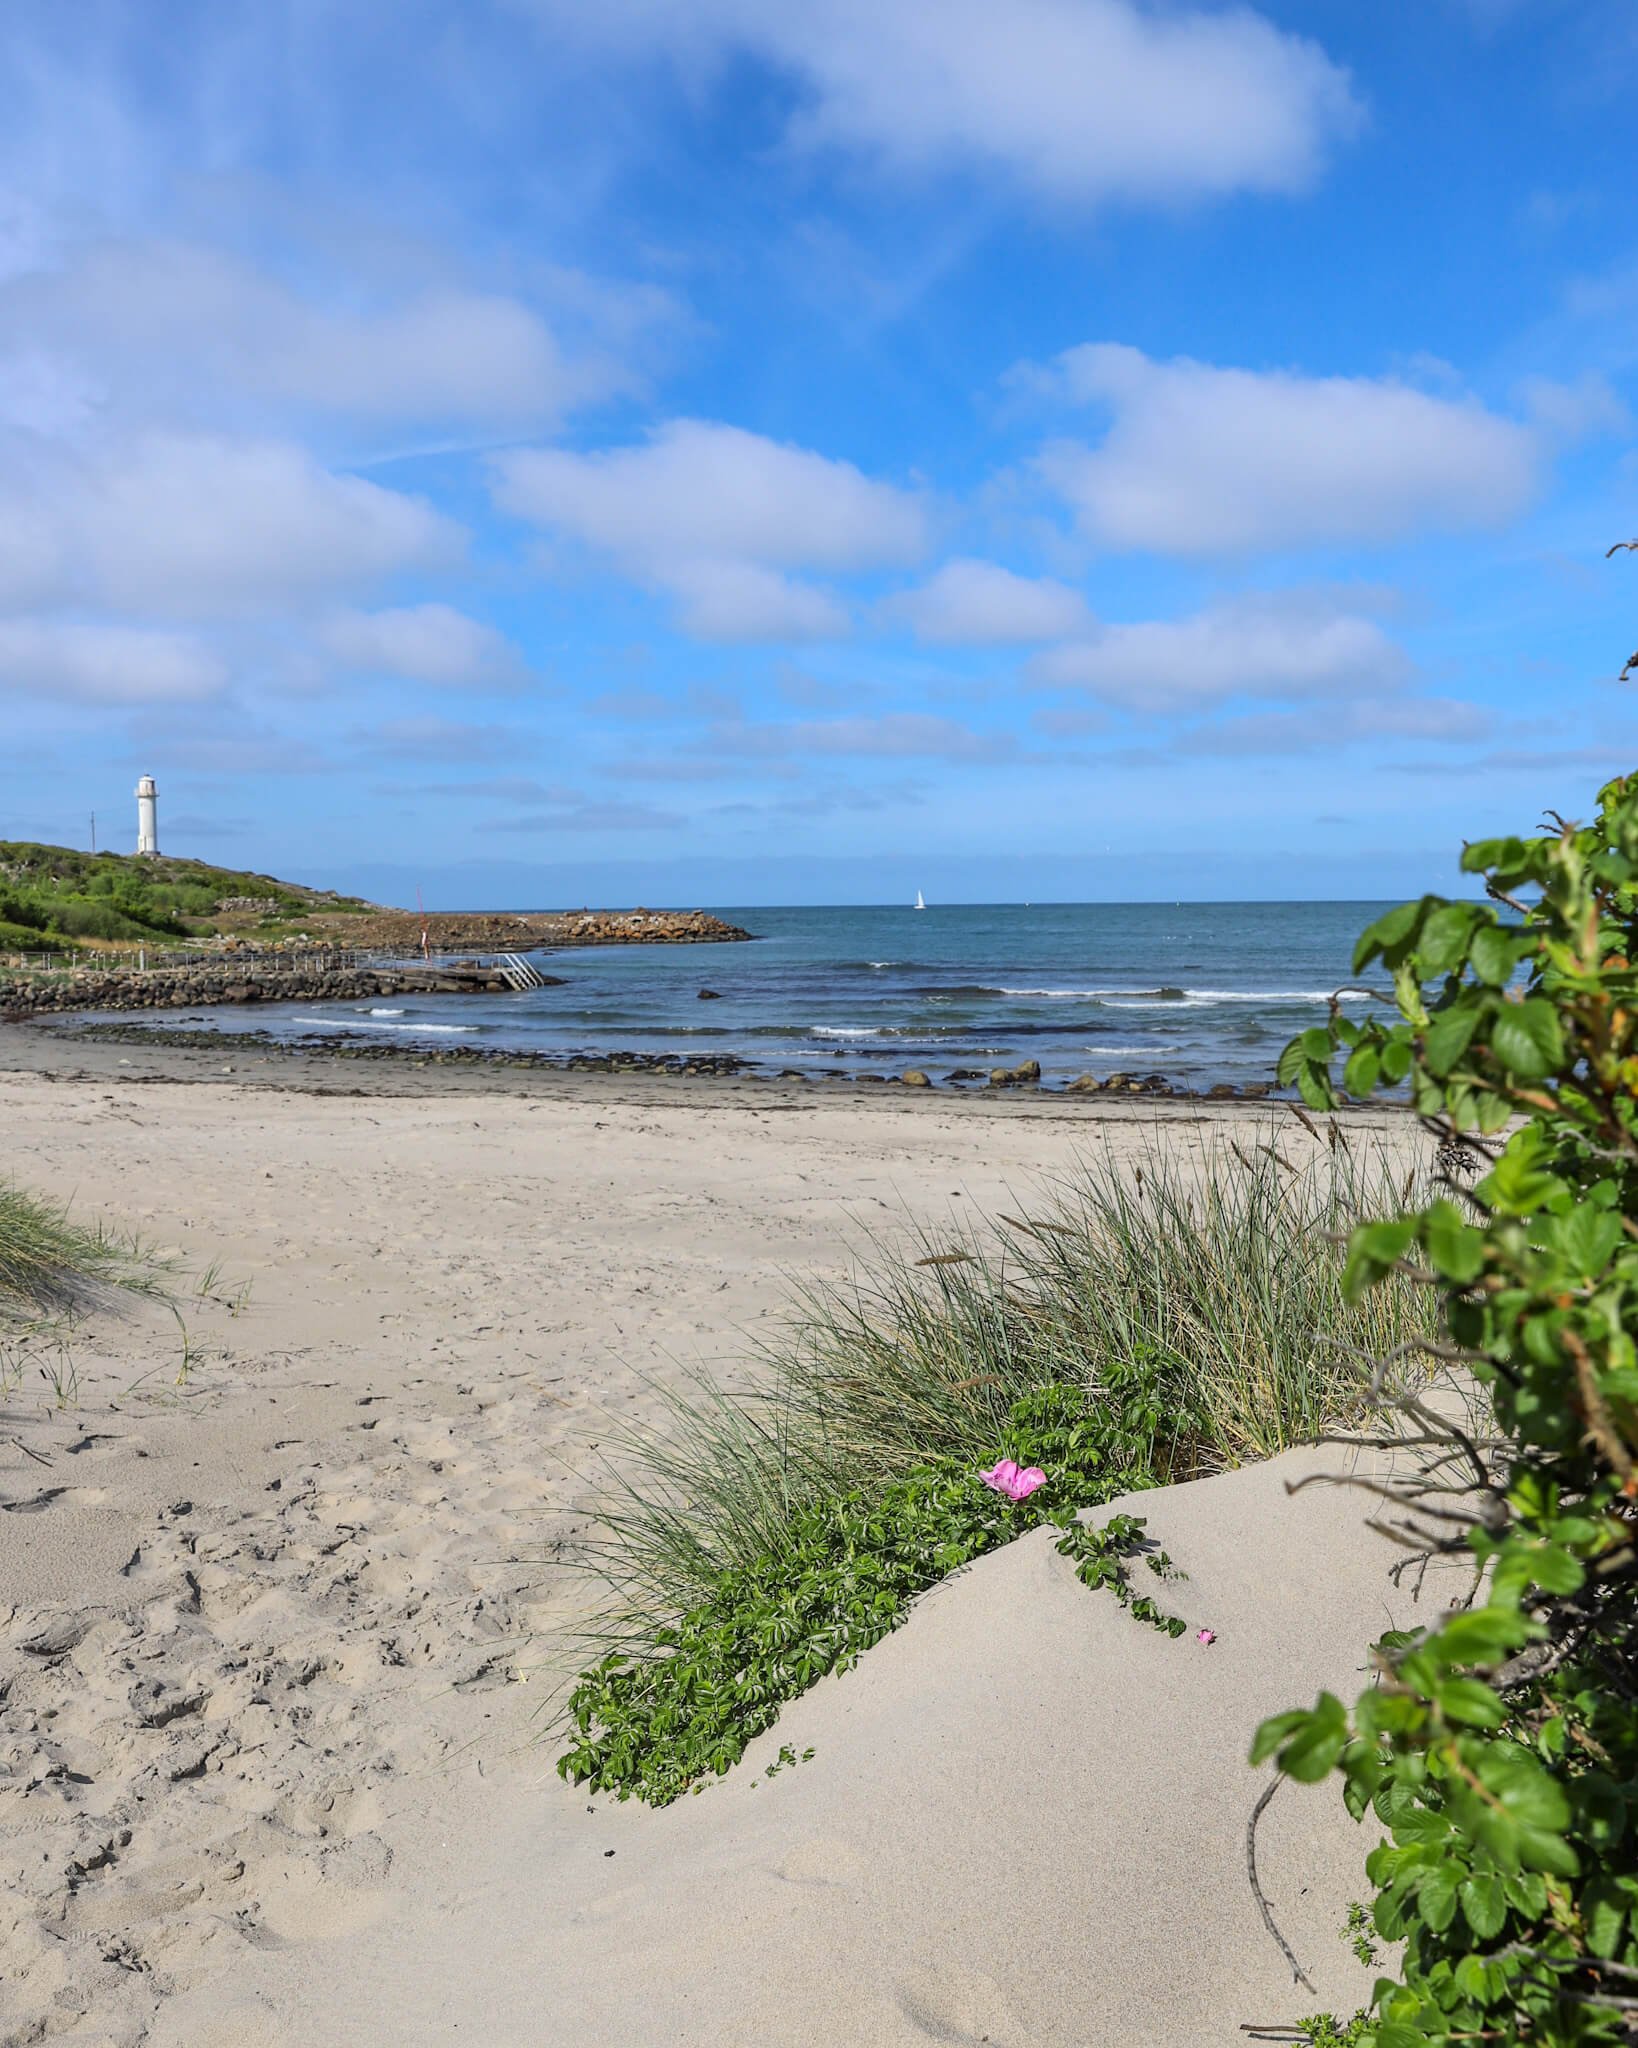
517	972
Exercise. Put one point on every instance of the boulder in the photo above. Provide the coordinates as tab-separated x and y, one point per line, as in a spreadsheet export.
913	1077
710	995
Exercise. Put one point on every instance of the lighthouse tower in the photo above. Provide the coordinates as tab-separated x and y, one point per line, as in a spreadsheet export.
147	797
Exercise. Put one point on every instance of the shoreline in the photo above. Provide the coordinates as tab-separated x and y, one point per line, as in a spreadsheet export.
96	1048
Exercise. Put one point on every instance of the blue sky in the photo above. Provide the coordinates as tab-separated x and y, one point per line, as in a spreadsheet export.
712	450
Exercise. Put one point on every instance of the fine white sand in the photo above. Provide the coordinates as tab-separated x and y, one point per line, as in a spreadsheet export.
275	1636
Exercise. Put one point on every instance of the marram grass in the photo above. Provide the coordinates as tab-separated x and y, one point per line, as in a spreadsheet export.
1196	1302
53	1267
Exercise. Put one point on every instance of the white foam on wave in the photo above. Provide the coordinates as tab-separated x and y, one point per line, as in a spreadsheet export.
1147	998
1278	995
845	1031
345	1024
383	1013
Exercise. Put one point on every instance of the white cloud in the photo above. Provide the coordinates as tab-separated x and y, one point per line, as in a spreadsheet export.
201	526
714	516
1201	461
1442	719
1588	406
698	490
105	664
1084	100
31	560
1282	646
974	603
435	739
424	643
149	325
721	600
904	735
602	817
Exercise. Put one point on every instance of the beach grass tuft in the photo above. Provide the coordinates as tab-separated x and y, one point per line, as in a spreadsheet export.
1135	1325
53	1267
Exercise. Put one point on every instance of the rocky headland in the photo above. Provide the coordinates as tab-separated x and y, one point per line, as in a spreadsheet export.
238	973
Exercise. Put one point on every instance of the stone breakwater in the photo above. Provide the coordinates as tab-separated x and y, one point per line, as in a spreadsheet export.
493	931
235	980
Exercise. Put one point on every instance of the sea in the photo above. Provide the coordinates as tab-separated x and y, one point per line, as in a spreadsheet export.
1199	992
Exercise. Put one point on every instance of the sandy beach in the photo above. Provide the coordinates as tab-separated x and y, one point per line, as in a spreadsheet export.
282	1595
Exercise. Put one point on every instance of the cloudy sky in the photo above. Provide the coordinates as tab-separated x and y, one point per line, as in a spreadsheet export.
734	451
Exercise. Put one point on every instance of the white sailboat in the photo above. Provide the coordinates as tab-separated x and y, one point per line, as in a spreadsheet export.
921	901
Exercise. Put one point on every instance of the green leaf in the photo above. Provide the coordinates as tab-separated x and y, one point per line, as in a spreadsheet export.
1313	1750
1436	1896
1604	1911
1454	1246
1388	931
1359	1077
1470	1977
1375	1249
1469	1700
1555	1569
1542	1849
1484	1906
1491	950
1588	1239
1291	1061
1517	1183
1442	940
1512	1775
1272	1732
1484	854
1449	1036
1396	1057
1483	1636
1526	1039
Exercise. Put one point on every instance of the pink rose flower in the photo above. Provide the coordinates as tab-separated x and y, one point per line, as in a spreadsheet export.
1016	1482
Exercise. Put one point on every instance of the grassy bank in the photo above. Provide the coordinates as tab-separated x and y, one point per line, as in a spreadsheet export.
1134	1328
53	898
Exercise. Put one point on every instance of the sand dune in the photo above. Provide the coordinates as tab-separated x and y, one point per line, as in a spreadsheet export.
274	1636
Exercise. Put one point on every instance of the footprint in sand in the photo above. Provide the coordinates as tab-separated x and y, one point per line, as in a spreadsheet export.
308	1907
961	2007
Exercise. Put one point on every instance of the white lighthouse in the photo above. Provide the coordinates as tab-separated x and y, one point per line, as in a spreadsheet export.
147	797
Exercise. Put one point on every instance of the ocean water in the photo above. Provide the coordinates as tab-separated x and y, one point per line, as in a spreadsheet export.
1199	992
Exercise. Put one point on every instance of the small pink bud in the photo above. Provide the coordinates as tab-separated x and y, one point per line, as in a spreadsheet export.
1206	1635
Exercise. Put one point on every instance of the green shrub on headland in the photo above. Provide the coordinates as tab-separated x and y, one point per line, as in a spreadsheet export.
1499	1751
56	897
